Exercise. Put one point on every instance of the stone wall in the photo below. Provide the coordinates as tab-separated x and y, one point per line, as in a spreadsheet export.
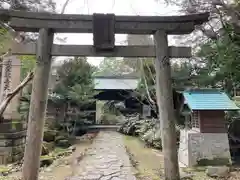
203	148
12	141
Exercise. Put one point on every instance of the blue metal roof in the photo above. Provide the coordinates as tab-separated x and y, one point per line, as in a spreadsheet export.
208	99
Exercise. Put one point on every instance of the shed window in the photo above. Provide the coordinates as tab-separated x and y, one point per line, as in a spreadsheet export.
195	119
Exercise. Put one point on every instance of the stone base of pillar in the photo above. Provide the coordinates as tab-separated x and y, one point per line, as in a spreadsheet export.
203	149
12	141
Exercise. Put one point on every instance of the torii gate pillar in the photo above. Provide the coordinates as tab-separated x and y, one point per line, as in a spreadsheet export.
38	105
165	105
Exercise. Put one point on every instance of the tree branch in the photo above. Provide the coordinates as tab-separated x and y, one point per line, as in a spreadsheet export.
64	6
150	71
12	94
145	83
17	36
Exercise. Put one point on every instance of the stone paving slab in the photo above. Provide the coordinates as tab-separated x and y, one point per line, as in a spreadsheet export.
105	160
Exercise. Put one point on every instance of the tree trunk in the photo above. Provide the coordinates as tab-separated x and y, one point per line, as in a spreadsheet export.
38	106
166	108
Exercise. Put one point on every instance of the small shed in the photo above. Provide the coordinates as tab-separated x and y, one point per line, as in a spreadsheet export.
204	110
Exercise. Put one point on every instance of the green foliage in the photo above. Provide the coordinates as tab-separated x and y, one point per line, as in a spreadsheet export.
4	40
109	107
147	130
217	67
113	67
75	81
109	112
28	63
29	5
81	93
222	59
23	5
213	162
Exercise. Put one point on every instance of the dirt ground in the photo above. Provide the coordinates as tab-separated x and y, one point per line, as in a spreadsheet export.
68	165
63	167
148	163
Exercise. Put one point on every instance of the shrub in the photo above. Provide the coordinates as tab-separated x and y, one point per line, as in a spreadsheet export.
147	130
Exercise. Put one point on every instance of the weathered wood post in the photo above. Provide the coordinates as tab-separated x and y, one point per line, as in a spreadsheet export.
165	105
38	106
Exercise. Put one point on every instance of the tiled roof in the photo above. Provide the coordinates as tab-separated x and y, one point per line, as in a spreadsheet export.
124	83
208	99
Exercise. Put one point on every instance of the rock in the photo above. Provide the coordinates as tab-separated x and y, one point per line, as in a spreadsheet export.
64	153
58	138
4	170
48	170
186	176
217	171
49	135
46	161
148	136
5	173
64	143
72	148
15	168
67	162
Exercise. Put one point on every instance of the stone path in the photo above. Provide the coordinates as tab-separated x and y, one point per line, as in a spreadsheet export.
105	160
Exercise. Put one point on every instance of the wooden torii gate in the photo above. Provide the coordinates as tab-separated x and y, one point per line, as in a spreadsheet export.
104	27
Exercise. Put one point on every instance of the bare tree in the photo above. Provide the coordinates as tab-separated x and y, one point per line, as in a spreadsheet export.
220	12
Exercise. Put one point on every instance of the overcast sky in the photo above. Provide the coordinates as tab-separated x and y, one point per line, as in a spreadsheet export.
118	7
